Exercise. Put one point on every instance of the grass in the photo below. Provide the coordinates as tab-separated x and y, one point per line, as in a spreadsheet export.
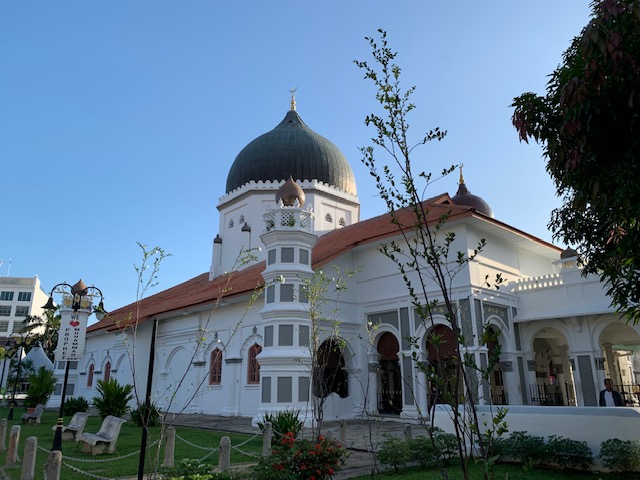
128	443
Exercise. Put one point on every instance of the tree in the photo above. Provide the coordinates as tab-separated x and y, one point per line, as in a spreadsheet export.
589	125
424	256
44	331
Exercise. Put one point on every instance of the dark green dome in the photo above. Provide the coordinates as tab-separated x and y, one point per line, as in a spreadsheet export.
291	149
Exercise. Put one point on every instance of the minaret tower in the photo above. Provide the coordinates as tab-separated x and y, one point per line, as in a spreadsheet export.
285	360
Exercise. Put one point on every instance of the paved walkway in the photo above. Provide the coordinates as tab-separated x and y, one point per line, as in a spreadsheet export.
362	436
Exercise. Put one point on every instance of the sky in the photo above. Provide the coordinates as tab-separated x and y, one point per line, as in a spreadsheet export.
119	120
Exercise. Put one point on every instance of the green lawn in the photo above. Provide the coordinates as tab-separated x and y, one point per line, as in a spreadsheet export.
128	442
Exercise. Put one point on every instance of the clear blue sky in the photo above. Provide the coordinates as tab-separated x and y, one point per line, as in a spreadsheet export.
119	120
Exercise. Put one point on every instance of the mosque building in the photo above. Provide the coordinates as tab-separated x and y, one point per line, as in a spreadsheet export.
216	348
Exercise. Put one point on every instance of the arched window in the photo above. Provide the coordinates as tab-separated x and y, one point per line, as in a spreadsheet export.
328	218
215	371
107	371
253	376
90	375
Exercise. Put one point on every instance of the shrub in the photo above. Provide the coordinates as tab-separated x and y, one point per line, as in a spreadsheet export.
293	459
189	469
113	398
422	450
41	386
621	455
73	405
393	452
567	453
283	422
522	448
446	444
137	415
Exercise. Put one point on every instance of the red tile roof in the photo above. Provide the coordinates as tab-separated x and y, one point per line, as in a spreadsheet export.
200	291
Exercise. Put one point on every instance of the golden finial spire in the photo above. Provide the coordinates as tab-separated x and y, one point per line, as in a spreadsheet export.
292	91
461	177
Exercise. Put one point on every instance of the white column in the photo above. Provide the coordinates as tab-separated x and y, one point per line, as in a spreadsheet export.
612	366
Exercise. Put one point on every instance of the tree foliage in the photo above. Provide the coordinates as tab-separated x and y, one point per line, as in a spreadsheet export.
44	331
589	125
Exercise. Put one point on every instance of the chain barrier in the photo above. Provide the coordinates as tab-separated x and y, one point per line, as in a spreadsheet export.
248	440
211	451
82	472
103	460
250	455
196	446
202	459
84	460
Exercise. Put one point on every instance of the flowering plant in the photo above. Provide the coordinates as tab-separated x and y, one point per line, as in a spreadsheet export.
302	459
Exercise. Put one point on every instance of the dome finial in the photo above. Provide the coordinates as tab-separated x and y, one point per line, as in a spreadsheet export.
292	91
461	177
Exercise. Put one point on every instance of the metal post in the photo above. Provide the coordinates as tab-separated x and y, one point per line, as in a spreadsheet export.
57	438
4	367
15	386
147	401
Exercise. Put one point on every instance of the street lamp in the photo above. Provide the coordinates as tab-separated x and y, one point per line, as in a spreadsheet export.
20	340
77	301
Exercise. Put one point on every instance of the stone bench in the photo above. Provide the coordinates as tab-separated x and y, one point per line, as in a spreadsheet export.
35	416
104	441
75	427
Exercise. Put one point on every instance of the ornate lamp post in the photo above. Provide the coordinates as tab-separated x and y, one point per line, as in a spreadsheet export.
77	303
5	354
21	340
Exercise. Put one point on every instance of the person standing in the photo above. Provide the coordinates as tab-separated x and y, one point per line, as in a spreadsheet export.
609	397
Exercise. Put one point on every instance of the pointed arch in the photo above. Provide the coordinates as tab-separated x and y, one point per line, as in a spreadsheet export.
215	367
92	367
253	366
106	372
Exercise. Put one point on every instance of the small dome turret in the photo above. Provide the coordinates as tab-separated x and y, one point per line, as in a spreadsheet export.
466	198
568	253
289	192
